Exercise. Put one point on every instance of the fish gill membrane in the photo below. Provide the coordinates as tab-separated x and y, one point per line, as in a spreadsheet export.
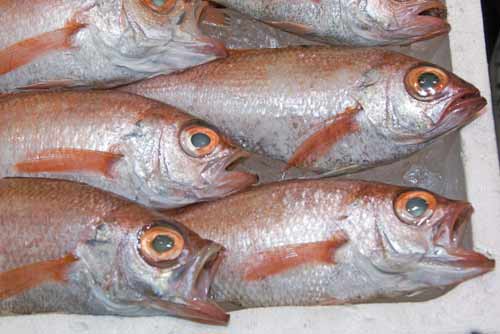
96	43
77	249
346	22
332	242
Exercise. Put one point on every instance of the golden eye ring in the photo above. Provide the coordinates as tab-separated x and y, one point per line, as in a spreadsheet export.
160	244
199	141
415	207
426	83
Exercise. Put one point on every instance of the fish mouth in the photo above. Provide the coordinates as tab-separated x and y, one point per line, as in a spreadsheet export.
211	46
462	110
196	305
424	21
450	237
227	180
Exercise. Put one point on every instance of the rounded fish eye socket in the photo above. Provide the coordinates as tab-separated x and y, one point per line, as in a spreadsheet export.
159	245
415	207
199	141
160	6
426	83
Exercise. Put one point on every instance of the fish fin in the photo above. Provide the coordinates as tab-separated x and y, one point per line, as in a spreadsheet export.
215	16
24	52
295	28
18	280
281	259
50	84
69	160
320	142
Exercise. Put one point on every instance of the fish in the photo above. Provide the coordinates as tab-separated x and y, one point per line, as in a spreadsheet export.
94	43
333	242
331	110
346	22
70	248
140	149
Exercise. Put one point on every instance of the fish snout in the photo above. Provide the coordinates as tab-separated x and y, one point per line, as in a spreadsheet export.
422	20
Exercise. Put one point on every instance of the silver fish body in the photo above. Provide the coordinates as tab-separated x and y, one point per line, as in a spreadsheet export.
123	143
98	43
335	242
348	22
326	109
70	248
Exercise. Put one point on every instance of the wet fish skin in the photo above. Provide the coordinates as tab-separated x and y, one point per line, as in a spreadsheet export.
332	110
96	43
346	22
126	144
45	220
277	236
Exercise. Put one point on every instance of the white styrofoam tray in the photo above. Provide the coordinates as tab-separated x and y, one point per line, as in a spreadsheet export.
471	307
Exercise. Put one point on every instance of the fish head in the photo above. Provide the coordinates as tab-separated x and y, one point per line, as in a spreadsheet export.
200	160
397	21
420	237
159	267
154	37
421	101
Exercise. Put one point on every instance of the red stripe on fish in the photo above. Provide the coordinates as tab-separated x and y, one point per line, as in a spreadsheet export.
18	280
278	260
26	51
296	28
320	143
69	160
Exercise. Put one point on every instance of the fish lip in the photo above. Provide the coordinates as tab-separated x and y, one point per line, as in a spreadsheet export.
464	108
450	236
196	304
229	181
420	26
212	46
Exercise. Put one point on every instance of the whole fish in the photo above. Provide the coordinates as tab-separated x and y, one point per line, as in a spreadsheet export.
67	247
347	22
61	43
334	242
326	109
135	147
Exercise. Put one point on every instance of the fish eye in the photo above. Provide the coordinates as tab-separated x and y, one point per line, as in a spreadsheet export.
415	207
426	82
160	244
199	141
160	6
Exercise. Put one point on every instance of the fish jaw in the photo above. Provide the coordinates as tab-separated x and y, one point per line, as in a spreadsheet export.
455	263
421	21
224	181
465	107
197	281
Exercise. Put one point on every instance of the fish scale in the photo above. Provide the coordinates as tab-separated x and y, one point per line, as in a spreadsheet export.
330	241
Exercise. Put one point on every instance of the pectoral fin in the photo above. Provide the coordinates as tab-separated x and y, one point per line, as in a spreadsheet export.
295	28
21	279
278	260
28	50
69	160
320	143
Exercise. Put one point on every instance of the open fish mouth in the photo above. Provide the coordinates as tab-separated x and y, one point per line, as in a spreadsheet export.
229	180
462	110
196	281
450	236
424	21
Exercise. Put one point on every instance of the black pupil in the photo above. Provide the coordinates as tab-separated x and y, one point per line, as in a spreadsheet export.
163	243
428	80
200	140
417	207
